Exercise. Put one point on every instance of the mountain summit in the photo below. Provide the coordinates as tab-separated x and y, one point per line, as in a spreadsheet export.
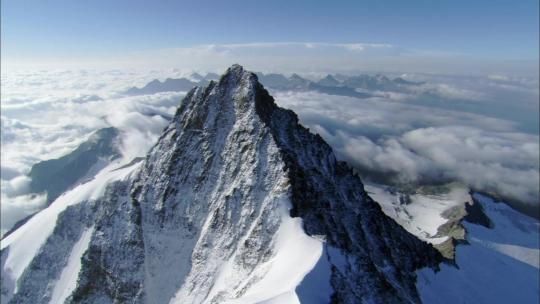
236	203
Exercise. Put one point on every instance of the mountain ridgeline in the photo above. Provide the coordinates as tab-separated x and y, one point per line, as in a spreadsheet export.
205	218
55	176
358	86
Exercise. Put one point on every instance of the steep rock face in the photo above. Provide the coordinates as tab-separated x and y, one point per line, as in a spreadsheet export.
202	218
380	256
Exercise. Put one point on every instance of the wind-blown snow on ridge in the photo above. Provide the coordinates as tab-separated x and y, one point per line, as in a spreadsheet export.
205	218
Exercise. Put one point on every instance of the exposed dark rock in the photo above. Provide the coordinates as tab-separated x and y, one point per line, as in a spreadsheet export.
476	215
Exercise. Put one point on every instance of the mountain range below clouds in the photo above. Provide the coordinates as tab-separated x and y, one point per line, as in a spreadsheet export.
172	85
360	86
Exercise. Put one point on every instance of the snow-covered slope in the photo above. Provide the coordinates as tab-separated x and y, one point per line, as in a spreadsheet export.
432	213
42	246
421	214
500	263
236	203
498	259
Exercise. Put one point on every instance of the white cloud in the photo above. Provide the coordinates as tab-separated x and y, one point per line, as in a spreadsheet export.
13	209
46	114
424	143
447	91
495	162
16	186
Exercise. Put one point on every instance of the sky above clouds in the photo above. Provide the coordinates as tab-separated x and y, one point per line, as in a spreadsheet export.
466	37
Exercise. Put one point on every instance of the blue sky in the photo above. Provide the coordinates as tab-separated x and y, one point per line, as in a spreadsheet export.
494	30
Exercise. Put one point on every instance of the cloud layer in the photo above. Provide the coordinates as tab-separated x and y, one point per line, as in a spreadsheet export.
478	130
408	138
48	114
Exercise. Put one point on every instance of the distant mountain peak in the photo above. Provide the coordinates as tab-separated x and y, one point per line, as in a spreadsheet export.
196	76
169	85
329	80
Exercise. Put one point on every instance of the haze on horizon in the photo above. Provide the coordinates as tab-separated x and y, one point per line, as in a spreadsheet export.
443	37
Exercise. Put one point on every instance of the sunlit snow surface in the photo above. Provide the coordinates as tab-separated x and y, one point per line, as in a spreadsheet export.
500	265
422	216
25	242
296	254
68	278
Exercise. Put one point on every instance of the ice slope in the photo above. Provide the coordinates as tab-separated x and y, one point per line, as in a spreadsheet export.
499	265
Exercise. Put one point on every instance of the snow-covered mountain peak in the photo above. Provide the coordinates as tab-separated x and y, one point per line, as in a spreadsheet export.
237	77
222	210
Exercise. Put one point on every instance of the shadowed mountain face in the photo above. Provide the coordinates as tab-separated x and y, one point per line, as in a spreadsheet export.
228	205
55	176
